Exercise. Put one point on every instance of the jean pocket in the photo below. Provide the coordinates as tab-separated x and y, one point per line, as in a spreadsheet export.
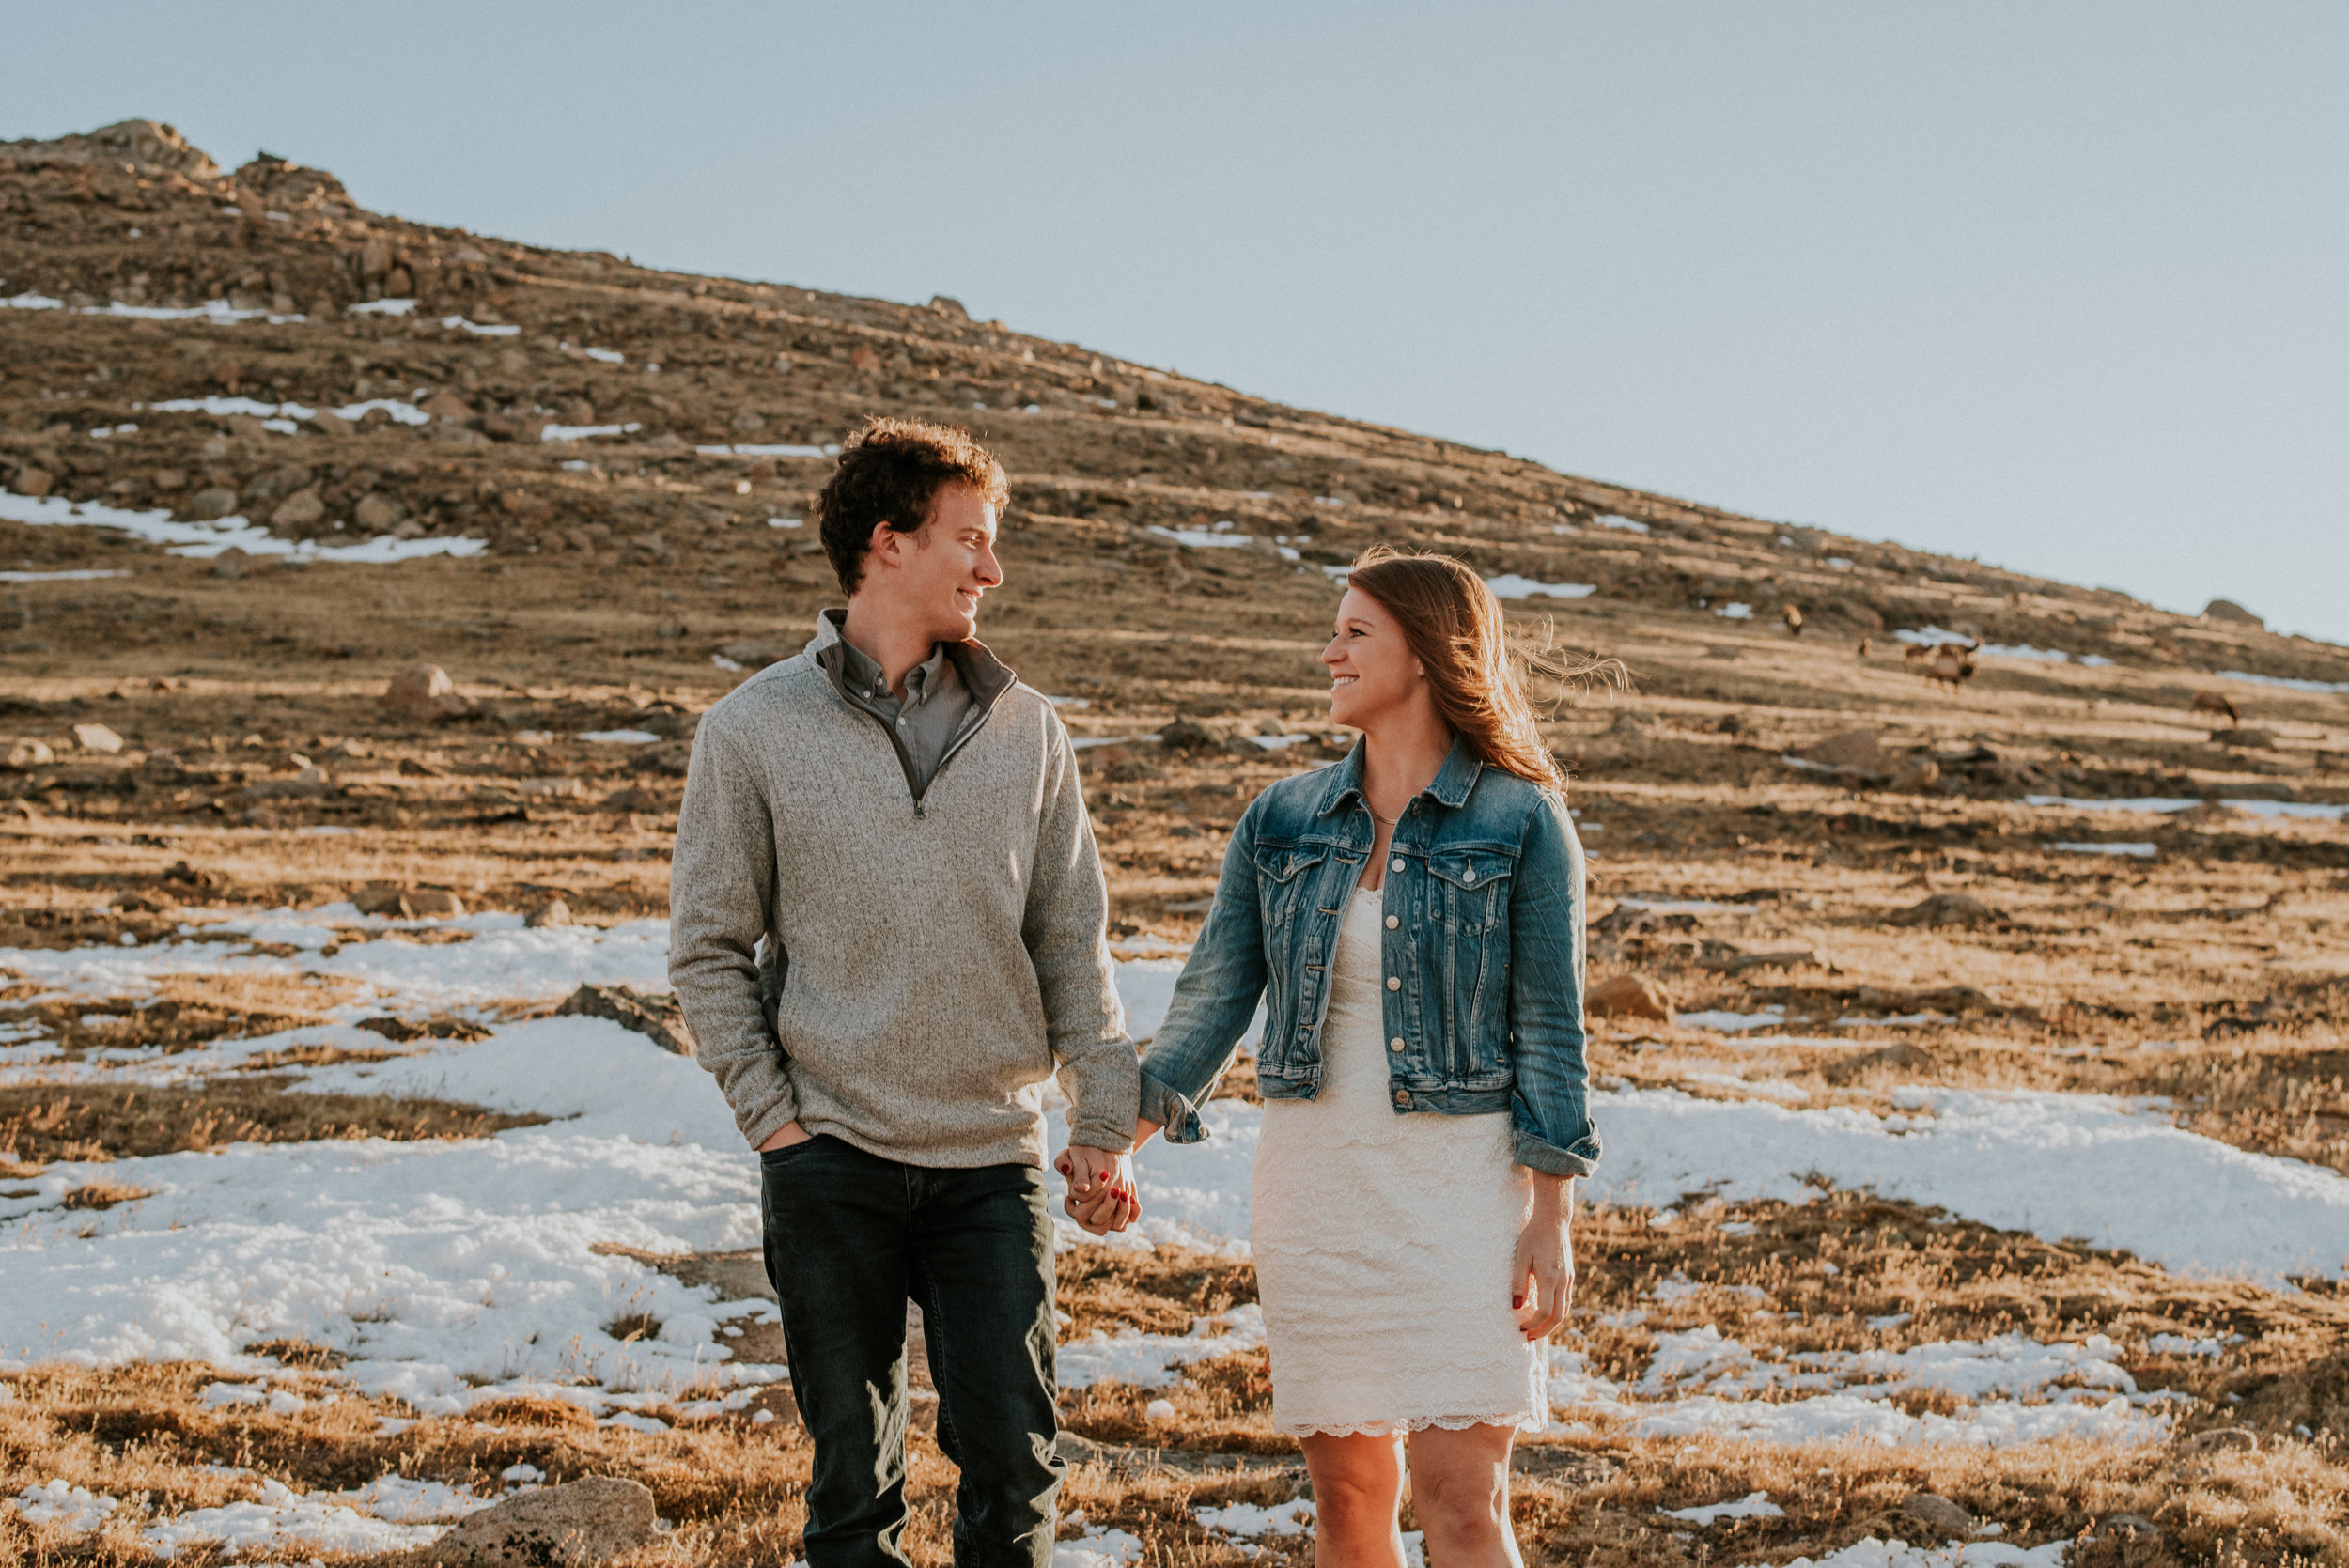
769	1158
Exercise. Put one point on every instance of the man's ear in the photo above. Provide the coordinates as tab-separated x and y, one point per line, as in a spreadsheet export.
883	544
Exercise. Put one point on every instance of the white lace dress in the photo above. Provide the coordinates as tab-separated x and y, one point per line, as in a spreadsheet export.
1384	1241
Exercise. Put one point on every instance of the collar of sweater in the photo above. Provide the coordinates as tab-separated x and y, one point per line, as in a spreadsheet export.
986	676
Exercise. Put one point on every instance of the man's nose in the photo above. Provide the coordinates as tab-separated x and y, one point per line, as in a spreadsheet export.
990	569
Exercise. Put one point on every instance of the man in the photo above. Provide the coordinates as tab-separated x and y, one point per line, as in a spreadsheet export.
888	926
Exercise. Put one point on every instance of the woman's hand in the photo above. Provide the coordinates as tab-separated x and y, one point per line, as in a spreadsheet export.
1541	1285
1101	1192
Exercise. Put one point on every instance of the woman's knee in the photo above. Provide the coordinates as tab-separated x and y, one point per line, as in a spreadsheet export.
1354	1479
1465	1502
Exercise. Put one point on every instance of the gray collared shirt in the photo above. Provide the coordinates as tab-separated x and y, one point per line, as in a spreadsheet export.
936	705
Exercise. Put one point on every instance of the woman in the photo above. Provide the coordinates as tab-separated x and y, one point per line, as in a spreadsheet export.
1412	919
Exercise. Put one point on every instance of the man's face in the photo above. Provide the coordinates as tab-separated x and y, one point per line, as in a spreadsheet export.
949	564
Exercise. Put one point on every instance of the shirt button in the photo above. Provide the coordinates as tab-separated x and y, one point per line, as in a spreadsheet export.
1394	920
1469	875
1395	864
1396	1044
1394	983
1402	1096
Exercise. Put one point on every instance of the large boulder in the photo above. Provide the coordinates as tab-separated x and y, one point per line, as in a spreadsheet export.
587	1521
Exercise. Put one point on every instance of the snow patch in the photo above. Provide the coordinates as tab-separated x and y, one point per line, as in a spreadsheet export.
1512	585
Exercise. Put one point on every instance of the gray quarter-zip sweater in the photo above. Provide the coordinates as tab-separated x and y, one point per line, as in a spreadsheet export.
902	971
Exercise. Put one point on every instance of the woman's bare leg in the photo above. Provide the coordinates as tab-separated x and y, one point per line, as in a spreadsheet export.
1460	1491
1358	1488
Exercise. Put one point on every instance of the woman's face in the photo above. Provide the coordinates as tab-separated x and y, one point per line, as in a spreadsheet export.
1372	668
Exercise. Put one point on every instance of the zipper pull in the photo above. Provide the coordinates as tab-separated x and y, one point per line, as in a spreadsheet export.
918	810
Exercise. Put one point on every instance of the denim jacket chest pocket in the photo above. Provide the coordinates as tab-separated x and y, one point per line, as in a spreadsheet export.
1289	879
1461	935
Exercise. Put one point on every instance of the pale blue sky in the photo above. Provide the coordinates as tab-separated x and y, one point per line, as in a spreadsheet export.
2059	286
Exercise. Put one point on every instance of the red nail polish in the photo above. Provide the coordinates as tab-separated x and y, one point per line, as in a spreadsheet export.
1517	1301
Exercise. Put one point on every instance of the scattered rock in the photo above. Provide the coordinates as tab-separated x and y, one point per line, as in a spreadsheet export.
2222	1439
2130	1527
447	408
412	768
35	482
29	753
377	514
752	654
2213	702
1945	908
210	504
424	693
278	483
308	784
97	738
2255	740
656	1017
553	912
1916	774
945	306
1859	751
1190	735
1900	1055
231	563
382	898
1939	1513
587	1521
2228	610
1628	996
436	904
301	509
636	799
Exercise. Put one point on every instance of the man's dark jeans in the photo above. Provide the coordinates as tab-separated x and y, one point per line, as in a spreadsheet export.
850	1237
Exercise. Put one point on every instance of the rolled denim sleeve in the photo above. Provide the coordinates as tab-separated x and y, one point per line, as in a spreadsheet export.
1551	1102
1214	999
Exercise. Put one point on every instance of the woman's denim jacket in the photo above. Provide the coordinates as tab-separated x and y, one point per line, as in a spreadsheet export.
1484	933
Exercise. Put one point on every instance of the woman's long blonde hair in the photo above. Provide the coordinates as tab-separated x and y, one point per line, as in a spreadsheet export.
1456	630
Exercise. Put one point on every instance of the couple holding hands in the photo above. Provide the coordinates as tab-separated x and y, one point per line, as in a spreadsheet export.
889	931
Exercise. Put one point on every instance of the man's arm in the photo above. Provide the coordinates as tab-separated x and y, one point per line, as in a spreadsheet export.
722	883
1065	928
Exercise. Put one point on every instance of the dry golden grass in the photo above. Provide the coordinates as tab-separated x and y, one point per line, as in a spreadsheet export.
97	1121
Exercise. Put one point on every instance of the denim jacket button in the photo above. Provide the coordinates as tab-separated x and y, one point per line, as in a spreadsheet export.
1402	1096
1469	875
1395	864
1394	983
1396	1044
1394	920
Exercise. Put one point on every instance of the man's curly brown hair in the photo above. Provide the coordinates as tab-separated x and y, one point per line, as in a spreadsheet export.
891	472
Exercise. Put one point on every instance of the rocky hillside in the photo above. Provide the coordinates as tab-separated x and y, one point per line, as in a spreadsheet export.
186	343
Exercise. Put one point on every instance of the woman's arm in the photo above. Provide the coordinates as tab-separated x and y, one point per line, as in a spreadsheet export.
1214	999
1542	1287
1551	1100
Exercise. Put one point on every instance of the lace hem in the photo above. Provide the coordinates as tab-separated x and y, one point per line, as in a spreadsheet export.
1520	1421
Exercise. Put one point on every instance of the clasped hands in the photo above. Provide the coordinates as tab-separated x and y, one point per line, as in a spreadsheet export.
1102	1193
